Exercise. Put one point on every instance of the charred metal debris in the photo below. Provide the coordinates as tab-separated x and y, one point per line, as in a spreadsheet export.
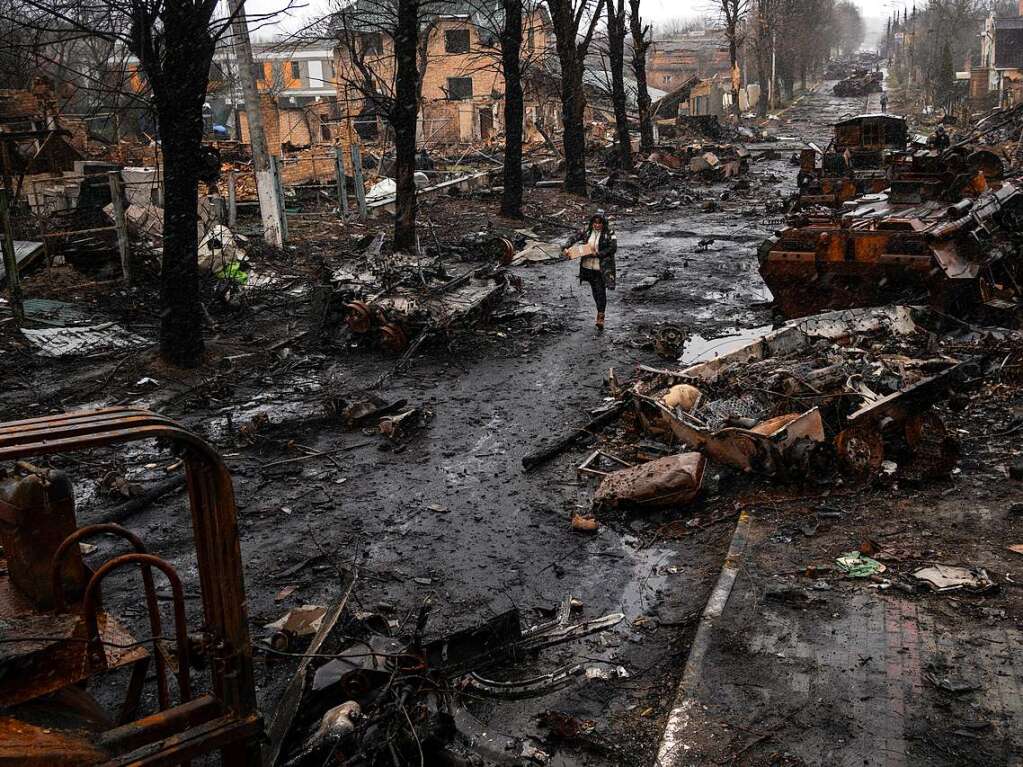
368	691
847	395
881	216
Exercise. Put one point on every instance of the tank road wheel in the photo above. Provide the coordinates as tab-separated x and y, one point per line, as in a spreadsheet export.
860	450
934	453
393	338
506	250
358	317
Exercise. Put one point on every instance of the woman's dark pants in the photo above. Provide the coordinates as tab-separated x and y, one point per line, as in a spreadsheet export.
596	279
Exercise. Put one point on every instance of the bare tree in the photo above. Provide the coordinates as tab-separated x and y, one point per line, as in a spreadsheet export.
641	39
616	54
384	44
515	25
732	13
511	56
174	42
574	24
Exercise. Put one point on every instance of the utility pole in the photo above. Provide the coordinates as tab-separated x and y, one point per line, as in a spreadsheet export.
770	89
266	186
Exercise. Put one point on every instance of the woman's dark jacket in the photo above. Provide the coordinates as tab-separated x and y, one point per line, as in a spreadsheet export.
607	246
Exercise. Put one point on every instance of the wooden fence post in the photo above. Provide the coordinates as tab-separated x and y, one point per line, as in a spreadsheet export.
120	223
232	187
342	186
360	189
10	260
275	166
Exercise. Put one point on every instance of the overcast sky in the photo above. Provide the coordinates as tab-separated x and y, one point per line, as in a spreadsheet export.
656	10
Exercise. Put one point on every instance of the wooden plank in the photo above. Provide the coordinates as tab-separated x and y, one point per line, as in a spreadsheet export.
284	715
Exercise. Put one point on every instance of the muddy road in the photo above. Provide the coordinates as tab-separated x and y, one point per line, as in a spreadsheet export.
452	517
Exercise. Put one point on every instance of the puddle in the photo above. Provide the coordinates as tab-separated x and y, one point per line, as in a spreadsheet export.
699	349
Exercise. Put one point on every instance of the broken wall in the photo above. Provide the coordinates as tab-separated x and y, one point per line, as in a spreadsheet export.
271	123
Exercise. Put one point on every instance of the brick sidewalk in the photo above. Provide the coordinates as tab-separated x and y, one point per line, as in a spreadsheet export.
841	679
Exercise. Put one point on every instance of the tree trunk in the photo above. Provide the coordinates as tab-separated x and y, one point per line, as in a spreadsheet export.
571	55
616	55
639	47
733	57
181	123
763	75
404	114
573	106
511	46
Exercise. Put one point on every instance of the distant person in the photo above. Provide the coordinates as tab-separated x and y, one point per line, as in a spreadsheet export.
209	168
940	139
884	101
597	266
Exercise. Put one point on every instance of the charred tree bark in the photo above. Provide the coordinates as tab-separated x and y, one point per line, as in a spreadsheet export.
566	18
181	341
404	113
763	75
640	44
616	56
511	47
573	108
177	68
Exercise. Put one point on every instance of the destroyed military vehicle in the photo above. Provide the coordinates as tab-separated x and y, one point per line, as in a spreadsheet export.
859	83
955	251
394	300
854	163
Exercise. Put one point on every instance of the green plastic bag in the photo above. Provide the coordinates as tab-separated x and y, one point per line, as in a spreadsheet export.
856	565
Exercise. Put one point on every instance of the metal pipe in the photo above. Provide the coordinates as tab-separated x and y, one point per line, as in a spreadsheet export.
91	605
155	624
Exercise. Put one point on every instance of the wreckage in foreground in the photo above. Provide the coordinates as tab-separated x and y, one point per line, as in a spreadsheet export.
382	699
59	640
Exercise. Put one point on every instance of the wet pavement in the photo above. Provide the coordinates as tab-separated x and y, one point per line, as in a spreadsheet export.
453	518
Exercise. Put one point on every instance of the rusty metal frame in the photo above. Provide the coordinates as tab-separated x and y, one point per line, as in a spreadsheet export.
218	554
152	607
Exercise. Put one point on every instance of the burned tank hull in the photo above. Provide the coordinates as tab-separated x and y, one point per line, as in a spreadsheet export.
855	163
859	84
950	256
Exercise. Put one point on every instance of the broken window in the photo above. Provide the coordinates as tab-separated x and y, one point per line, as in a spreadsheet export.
456	41
372	42
459	87
296	70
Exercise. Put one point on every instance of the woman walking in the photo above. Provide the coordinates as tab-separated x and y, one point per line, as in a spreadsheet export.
595	248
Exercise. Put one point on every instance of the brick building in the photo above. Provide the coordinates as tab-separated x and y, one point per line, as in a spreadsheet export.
999	78
462	88
672	61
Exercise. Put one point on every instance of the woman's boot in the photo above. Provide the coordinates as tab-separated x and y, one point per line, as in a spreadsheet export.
600	320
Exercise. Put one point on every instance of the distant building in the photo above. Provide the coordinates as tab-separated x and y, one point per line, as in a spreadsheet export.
999	78
463	86
671	62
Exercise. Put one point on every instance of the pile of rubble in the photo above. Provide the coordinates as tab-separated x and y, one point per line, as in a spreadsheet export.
669	175
392	699
396	301
846	393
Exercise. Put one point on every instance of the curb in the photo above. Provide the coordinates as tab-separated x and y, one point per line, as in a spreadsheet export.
674	746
